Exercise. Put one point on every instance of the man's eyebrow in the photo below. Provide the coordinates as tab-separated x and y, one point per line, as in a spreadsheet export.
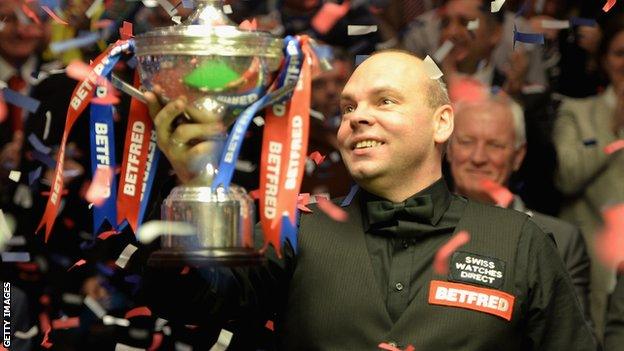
375	92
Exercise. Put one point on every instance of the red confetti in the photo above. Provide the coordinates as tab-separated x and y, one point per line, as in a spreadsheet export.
302	202
610	240
336	213
27	266
66	323
100	189
157	339
269	325
327	17
69	223
125	32
608	5
498	193
107	234
28	12
44	324
3	109
440	261
468	90
44	300
45	343
185	270
138	311
386	346
614	146
317	157
47	193
249	25
255	194
54	16
77	264
104	23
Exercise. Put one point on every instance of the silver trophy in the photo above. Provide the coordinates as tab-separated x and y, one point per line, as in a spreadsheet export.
221	69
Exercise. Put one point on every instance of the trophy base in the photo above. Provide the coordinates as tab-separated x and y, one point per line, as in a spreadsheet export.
221	257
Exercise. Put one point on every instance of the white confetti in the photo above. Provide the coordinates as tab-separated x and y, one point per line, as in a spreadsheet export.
360	30
443	51
496	5
125	255
110	320
16	241
124	347
259	121
310	166
15	176
433	71
225	337
176	19
316	114
153	229
473	25
227	9
245	166
555	24
334	156
46	131
95	6
27	334
72	299
95	306
171	10
5	231
159	324
180	346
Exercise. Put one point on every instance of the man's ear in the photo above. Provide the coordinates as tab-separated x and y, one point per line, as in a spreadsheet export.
519	157
442	124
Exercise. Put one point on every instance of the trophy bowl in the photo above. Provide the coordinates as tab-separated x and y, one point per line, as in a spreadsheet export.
221	70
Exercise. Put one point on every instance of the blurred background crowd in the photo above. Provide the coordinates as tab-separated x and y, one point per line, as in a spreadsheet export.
534	118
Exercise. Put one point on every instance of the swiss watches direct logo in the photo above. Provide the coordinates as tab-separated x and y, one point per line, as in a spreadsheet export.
476	269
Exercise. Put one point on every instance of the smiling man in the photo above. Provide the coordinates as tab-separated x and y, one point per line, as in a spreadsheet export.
353	285
489	143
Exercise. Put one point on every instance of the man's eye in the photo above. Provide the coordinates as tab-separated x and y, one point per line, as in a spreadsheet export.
348	109
386	101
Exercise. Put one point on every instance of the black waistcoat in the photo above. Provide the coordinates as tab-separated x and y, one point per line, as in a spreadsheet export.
334	302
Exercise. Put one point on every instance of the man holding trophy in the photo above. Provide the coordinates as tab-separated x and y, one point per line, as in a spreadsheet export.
352	285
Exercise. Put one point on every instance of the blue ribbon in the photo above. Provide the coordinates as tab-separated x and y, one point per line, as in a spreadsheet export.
235	139
103	155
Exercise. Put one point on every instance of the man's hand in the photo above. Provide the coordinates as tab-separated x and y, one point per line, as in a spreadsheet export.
516	72
183	142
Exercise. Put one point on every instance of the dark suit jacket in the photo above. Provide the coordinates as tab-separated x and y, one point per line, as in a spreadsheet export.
614	331
571	247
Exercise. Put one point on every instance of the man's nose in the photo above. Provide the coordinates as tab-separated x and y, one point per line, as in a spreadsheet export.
454	29
479	155
361	117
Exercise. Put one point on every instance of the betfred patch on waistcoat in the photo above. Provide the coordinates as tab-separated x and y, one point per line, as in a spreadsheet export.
476	269
471	297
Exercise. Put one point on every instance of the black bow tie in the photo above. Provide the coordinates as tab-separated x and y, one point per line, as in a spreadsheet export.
416	209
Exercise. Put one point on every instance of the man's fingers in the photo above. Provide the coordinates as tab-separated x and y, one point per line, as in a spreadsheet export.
163	119
153	105
190	131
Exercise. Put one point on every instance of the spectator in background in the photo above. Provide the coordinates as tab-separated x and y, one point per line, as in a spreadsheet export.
485	53
330	176
21	38
590	178
489	143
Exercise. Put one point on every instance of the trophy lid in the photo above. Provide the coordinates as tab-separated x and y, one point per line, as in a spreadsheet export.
208	31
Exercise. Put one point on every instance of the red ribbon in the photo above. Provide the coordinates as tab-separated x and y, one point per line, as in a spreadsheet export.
136	150
284	150
80	99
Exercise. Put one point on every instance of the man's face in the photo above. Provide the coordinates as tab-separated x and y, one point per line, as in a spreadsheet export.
482	146
387	130
327	87
19	38
473	45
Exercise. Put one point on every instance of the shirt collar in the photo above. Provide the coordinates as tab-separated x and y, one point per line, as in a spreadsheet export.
438	190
